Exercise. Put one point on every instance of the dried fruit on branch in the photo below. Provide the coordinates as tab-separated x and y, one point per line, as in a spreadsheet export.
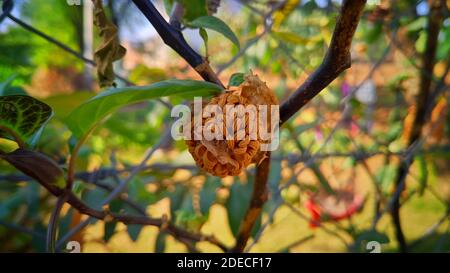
237	137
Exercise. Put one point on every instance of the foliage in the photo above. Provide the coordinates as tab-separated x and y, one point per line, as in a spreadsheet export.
337	142
83	118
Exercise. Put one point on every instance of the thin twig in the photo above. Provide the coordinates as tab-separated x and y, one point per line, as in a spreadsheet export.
327	230
431	230
22	229
435	20
53	223
300	241
71	51
121	187
267	29
291	158
259	197
337	59
174	38
139	220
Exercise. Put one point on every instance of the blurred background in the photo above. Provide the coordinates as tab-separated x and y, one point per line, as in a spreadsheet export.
332	177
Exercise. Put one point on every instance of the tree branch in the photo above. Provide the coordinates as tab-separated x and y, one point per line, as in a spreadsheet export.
424	100
336	60
267	23
140	220
69	50
53	223
259	197
82	207
173	37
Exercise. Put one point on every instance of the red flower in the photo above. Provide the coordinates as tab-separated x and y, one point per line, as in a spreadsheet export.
332	207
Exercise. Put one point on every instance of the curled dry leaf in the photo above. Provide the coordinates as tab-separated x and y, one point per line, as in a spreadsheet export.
236	150
110	49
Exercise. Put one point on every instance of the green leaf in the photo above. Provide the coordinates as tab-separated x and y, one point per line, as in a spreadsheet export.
443	50
194	9
110	229
421	41
204	36
160	244
236	79
237	205
395	130
274	178
139	193
190	220
214	23
374	33
134	231
168	4
22	116
12	202
385	176
94	198
33	199
90	113
177	197
294	38
145	75
208	193
6	89
37	243
63	104
417	24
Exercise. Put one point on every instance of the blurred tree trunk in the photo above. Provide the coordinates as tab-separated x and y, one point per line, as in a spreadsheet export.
88	37
423	102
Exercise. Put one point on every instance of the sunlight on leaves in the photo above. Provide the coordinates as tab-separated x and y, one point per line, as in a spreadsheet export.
88	114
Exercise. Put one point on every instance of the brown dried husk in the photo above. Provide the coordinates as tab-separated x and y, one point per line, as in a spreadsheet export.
230	157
